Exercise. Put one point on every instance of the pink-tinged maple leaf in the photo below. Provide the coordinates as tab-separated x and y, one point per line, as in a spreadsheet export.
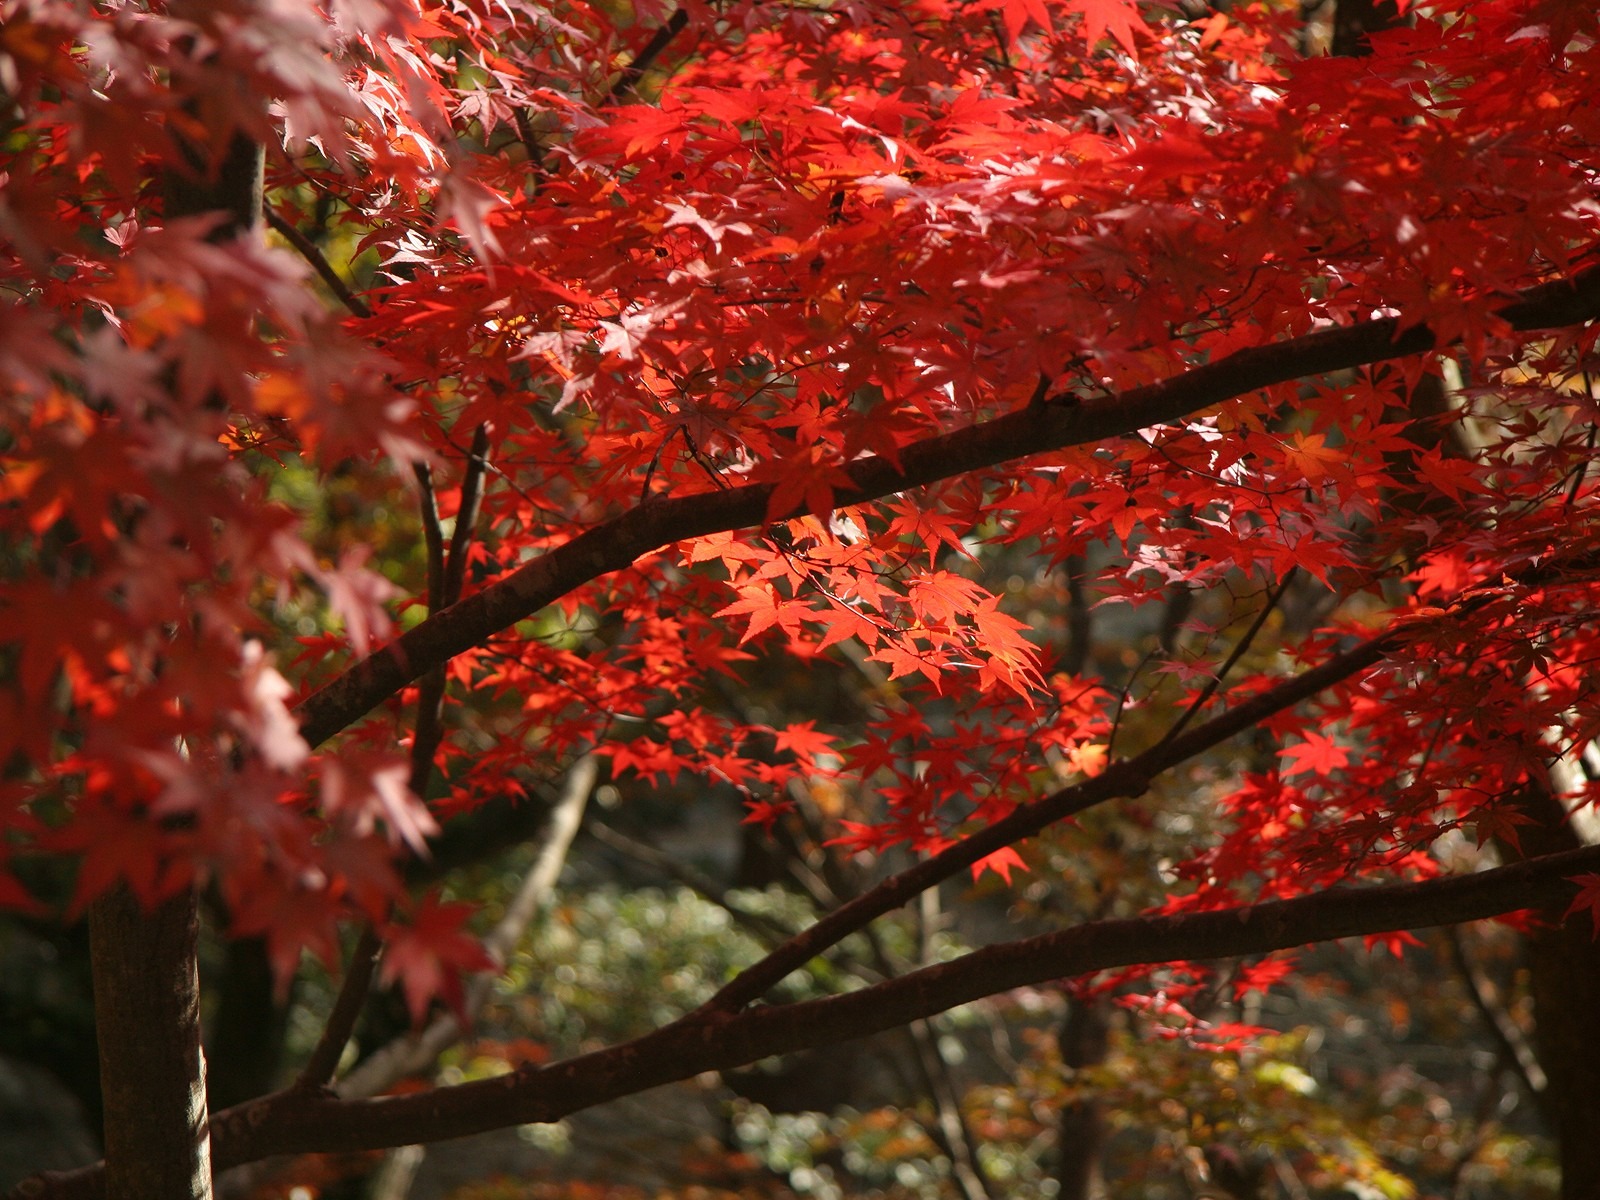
364	788
299	919
1587	900
429	955
270	725
468	203
357	596
1317	755
1002	862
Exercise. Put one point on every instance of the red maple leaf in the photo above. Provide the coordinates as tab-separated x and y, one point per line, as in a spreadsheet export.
1317	755
802	739
1002	862
1587	900
1120	18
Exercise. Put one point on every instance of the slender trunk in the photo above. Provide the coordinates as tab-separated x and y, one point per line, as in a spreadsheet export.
248	1026
152	1071
1564	977
1083	1039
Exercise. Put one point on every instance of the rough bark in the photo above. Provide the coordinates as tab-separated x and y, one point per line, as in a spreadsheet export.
1084	1038
1564	977
152	1071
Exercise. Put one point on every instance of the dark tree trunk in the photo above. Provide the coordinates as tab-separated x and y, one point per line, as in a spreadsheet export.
1083	1040
245	1047
146	971
1564	976
152	1072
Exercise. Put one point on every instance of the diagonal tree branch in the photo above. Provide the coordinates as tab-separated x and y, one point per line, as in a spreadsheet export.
717	1042
293	1121
416	1052
645	59
307	249
1036	429
1123	780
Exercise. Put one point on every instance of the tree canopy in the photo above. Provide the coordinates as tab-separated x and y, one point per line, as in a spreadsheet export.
410	404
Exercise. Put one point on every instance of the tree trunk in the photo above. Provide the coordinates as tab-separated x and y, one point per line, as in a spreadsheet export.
152	1072
1564	976
1083	1040
248	1025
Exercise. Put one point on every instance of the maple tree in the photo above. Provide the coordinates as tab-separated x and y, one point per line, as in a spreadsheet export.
649	345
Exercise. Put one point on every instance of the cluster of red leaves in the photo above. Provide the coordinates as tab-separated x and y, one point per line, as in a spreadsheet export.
832	233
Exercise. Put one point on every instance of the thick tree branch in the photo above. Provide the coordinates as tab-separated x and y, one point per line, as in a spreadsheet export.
1036	429
298	1122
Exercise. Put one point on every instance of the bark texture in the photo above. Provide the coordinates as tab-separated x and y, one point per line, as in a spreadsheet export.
152	1071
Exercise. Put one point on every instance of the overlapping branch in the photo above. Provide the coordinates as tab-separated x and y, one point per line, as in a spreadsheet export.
1036	429
732	1030
300	1122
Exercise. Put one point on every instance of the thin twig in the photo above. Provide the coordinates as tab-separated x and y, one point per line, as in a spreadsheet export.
324	1060
1233	658
446	576
432	534
455	571
307	250
411	1054
645	59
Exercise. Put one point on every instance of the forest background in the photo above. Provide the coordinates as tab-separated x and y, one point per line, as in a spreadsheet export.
886	568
